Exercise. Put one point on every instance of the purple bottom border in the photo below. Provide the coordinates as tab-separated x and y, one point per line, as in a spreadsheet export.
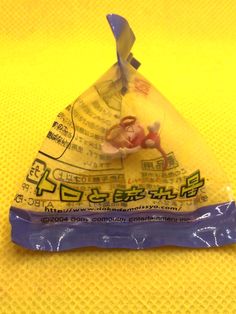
208	226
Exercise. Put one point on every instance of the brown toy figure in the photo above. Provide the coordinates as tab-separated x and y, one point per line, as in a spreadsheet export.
129	137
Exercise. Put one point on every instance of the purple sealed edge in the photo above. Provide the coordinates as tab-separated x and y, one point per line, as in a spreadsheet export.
208	226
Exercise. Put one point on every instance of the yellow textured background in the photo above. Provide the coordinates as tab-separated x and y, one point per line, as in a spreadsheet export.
50	52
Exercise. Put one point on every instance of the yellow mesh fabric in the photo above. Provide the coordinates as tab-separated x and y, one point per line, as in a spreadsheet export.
50	52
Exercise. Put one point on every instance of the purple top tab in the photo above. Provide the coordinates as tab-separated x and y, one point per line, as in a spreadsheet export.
123	34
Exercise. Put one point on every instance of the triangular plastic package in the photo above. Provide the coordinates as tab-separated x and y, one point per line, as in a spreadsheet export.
120	168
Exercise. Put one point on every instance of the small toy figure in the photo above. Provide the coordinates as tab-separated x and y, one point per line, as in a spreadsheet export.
129	136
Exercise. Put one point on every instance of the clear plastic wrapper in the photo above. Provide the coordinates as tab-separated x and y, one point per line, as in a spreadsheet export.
120	168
